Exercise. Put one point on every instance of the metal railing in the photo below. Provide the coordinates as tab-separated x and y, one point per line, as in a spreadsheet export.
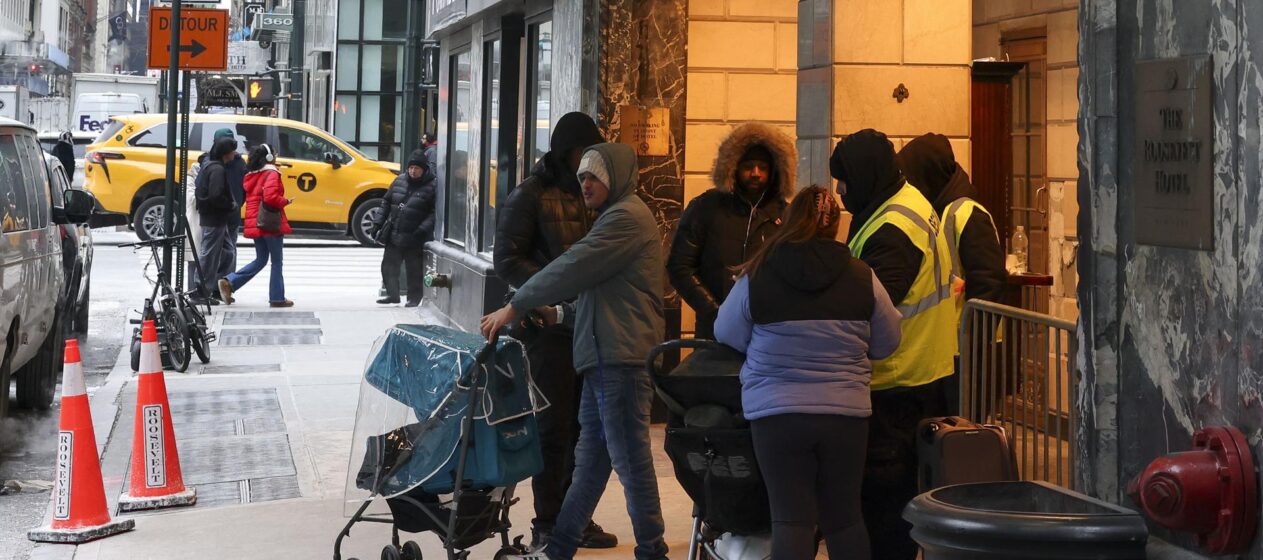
1018	372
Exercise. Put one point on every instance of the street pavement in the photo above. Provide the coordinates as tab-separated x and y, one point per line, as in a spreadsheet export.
265	429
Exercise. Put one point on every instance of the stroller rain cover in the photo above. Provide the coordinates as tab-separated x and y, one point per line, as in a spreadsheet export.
414	397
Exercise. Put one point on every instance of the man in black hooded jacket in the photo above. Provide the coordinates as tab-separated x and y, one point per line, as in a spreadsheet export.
216	209
542	218
404	226
725	226
930	165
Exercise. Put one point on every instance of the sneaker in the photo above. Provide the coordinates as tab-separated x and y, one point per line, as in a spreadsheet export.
282	303
225	291
596	537
388	301
412	303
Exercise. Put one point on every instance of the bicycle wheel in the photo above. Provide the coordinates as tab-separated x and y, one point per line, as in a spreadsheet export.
176	333
197	332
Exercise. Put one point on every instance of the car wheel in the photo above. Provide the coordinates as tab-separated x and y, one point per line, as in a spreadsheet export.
362	220
37	380
148	219
6	361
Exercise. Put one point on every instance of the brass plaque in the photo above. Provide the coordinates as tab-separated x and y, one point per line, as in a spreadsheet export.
648	131
1174	179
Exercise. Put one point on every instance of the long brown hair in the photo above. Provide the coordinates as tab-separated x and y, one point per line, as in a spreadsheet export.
813	214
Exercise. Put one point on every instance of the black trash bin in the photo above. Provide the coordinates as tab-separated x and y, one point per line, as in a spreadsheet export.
1026	520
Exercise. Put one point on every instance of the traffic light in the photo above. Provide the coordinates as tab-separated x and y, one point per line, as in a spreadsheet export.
260	91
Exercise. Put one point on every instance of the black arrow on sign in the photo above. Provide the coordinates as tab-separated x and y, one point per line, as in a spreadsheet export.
196	48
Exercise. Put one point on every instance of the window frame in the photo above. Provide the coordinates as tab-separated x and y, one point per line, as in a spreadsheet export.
453	103
492	87
530	97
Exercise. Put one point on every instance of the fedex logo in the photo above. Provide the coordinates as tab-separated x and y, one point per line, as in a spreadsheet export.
86	124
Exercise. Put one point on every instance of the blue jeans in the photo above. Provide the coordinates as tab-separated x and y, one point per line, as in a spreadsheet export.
263	248
613	435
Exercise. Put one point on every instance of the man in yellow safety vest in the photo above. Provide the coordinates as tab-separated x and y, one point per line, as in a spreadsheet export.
895	230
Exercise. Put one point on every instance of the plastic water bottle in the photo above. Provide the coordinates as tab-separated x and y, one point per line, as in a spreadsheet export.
1019	246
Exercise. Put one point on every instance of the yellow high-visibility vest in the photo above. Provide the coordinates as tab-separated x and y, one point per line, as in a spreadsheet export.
930	313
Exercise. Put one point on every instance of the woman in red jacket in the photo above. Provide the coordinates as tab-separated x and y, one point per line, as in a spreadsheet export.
263	188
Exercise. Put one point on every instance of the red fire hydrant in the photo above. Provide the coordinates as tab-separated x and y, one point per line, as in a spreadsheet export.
1211	491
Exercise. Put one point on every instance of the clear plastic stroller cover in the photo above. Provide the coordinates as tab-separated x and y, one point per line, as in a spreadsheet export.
414	397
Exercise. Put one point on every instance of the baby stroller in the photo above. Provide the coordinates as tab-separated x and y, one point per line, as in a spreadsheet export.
444	430
709	443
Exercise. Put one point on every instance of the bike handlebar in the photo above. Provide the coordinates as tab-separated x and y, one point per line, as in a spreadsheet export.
156	241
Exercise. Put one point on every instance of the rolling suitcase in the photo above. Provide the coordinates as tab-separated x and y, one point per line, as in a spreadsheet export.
954	450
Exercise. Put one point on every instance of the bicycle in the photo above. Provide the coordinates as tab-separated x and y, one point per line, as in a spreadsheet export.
181	325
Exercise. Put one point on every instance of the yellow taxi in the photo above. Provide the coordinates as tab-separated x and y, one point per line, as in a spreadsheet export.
335	187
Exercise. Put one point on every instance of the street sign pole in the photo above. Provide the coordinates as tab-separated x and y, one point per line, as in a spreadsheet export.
173	110
181	200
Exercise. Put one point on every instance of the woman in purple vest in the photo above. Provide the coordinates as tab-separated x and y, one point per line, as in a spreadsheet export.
810	318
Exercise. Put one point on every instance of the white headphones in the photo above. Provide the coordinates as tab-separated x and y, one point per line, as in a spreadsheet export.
270	157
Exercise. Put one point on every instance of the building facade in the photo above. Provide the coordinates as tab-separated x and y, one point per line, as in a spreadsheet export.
1048	104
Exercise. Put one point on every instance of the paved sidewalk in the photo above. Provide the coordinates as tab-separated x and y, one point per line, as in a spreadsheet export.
265	433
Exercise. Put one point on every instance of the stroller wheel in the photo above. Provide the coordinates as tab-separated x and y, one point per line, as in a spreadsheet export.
411	551
391	553
508	551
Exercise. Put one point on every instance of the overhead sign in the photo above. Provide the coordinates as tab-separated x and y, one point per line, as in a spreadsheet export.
247	57
219	92
276	22
251	10
203	39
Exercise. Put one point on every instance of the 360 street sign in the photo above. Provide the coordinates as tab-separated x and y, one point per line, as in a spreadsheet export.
203	39
276	22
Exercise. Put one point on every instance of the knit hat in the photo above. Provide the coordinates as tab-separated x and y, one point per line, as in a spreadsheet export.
222	147
593	162
574	130
225	133
417	158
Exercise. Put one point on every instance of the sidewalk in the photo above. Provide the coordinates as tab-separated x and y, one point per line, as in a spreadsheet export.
265	432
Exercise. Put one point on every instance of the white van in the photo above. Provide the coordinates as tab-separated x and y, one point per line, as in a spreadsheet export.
93	110
32	272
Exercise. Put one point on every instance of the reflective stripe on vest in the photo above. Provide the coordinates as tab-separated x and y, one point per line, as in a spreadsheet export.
955	218
930	314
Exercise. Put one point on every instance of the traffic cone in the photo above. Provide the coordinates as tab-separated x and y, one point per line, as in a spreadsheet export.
156	481
80	513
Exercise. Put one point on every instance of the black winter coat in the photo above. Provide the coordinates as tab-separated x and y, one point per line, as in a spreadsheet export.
409	214
215	205
542	218
711	243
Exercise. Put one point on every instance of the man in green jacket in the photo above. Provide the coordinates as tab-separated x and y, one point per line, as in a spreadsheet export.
617	273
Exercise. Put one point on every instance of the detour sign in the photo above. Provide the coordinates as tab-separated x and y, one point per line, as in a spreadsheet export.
203	39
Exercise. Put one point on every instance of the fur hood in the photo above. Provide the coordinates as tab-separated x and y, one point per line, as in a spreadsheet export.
749	135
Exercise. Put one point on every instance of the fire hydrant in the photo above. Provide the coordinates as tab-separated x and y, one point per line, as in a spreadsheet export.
1211	491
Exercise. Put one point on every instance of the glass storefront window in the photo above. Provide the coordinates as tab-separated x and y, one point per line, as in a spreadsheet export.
383	68
491	140
346	109
348	65
349	19
457	202
541	90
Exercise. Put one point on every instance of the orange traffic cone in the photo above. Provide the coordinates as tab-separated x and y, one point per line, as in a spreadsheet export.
79	510
156	481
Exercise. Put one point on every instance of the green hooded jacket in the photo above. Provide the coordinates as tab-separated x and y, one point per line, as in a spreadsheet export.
616	271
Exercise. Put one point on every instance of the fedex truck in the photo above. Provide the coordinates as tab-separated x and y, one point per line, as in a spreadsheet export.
97	97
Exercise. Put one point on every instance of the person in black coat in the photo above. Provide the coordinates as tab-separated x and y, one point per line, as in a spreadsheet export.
64	151
542	218
724	227
404	226
930	165
217	210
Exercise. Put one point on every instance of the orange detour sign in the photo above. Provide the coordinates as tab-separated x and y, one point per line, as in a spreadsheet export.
156	480
80	513
203	39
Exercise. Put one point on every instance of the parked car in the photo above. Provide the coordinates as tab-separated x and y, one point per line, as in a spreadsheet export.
76	255
336	188
82	139
31	267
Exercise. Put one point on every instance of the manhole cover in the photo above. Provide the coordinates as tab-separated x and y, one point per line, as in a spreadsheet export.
269	337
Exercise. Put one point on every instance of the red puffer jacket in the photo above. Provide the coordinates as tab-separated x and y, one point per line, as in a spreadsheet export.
264	186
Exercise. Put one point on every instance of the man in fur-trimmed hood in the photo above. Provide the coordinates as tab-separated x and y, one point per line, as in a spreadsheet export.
722	228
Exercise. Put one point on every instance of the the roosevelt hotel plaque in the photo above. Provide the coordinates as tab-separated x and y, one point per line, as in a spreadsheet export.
1174	181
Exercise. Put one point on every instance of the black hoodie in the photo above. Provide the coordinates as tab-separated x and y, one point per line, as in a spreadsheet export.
930	166
865	161
545	214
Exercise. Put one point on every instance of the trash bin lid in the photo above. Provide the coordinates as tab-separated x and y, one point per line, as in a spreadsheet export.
1025	517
